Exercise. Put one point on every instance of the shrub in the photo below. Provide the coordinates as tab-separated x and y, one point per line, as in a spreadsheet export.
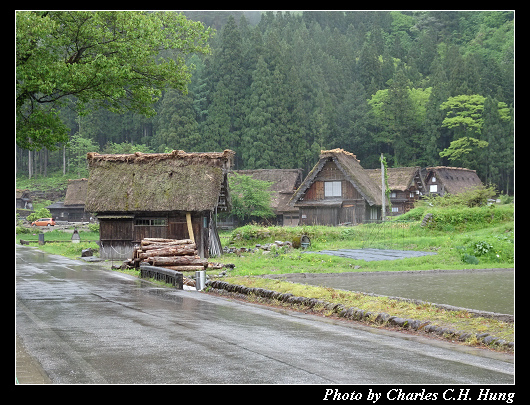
470	259
482	248
93	227
42	213
22	229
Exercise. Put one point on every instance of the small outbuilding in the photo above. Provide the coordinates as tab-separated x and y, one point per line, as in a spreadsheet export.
338	191
157	195
73	207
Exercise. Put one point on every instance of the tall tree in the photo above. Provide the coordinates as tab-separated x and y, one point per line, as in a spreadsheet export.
177	127
109	59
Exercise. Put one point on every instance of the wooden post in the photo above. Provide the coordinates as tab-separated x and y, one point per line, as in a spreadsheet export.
190	228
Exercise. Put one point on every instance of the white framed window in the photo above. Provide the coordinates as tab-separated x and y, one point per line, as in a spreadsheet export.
433	188
333	189
395	209
411	195
393	195
433	179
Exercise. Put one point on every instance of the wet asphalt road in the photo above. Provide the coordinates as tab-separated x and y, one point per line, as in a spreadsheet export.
85	324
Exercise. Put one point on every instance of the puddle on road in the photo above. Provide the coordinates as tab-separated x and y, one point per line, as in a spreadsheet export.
491	290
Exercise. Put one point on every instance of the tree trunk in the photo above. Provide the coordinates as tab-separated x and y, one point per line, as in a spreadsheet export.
176	250
30	163
185	268
150	243
177	261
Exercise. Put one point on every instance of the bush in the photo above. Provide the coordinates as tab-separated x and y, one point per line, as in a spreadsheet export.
93	227
482	248
42	213
23	229
470	259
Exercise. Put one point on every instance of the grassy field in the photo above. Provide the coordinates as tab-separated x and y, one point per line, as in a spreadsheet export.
479	237
66	248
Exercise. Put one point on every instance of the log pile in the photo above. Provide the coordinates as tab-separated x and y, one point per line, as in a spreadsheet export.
174	254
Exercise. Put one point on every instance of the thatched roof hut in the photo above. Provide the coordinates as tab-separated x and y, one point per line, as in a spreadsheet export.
337	190
76	192
158	195
399	178
453	180
73	207
406	186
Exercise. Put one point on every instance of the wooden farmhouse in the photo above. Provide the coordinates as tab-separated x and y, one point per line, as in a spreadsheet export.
73	207
406	186
284	184
159	195
336	191
443	180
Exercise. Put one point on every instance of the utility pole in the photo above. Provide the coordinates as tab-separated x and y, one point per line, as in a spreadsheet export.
383	210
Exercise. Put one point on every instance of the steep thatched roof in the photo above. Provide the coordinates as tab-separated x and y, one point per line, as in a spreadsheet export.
454	179
353	171
284	183
399	178
76	192
175	181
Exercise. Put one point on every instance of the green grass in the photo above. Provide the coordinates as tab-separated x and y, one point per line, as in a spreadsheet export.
65	247
453	248
68	249
57	235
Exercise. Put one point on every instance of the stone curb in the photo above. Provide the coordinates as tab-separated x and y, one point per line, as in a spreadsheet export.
357	314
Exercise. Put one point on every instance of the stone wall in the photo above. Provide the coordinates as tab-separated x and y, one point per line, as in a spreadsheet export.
357	314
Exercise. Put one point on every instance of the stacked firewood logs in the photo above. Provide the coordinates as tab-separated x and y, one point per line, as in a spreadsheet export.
174	254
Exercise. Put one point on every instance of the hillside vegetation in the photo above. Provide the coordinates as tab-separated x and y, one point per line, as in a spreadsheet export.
279	87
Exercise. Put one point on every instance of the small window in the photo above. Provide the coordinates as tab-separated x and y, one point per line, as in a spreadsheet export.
411	195
395	209
433	179
393	195
433	188
150	222
333	189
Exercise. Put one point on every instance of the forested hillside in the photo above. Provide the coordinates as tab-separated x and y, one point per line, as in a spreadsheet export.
279	89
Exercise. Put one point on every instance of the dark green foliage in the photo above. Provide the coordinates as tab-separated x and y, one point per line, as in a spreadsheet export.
279	89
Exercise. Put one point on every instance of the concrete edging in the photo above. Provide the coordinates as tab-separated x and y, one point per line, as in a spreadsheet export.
357	314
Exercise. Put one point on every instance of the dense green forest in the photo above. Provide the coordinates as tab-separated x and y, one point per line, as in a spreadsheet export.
425	88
